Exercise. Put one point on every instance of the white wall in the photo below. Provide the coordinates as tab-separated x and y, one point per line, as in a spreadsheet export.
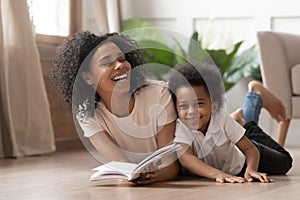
241	19
233	20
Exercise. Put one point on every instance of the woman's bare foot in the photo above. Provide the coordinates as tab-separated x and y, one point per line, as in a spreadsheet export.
271	103
238	116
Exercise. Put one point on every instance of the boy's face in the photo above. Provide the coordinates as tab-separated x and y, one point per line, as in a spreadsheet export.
194	107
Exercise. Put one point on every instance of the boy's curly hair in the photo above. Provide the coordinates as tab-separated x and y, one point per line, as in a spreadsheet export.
73	57
196	73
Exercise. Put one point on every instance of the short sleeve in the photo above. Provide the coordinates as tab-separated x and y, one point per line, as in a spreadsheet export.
183	134
233	130
90	126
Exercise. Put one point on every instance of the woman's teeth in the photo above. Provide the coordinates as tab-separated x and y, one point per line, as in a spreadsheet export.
119	78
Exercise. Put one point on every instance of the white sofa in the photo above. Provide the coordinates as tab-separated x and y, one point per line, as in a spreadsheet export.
280	66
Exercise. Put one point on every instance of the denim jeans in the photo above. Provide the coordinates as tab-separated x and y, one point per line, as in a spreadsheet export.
252	107
274	159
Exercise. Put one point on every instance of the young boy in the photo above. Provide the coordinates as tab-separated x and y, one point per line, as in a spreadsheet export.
218	146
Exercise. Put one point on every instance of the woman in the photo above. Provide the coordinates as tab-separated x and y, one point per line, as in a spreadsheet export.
124	116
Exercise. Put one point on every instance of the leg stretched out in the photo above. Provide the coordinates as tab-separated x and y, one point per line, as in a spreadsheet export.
269	101
274	159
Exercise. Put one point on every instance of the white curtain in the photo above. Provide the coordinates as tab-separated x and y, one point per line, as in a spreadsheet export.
102	16
25	121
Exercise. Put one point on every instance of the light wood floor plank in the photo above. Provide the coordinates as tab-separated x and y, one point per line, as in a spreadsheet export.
64	176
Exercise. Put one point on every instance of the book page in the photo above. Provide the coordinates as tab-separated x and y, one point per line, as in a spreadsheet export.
129	171
155	156
122	170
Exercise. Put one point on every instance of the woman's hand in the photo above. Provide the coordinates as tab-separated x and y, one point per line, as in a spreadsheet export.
227	178
262	177
147	178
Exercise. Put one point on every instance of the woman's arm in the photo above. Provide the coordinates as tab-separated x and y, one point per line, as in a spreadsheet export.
252	159
200	168
107	147
164	138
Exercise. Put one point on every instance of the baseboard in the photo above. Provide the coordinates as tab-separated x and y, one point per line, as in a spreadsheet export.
69	144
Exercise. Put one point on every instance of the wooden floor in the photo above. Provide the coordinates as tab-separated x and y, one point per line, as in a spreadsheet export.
65	175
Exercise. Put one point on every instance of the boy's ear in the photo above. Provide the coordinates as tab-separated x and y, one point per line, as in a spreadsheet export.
87	77
215	106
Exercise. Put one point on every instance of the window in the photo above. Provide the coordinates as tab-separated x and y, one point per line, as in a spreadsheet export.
53	20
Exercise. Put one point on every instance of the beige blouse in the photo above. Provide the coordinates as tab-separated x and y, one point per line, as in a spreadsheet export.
136	134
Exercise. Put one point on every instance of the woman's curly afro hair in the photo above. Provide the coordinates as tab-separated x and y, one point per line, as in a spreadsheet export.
73	57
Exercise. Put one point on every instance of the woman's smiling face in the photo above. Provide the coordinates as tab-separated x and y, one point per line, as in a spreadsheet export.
109	70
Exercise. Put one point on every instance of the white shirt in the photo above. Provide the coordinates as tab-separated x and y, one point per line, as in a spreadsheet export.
136	134
217	148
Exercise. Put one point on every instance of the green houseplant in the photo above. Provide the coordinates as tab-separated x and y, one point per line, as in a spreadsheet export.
234	65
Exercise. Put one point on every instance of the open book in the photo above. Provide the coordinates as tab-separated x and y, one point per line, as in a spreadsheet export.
130	171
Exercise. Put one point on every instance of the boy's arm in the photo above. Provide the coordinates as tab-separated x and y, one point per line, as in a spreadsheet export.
200	168
252	159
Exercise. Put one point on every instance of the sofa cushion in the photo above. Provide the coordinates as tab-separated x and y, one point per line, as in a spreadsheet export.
295	71
296	107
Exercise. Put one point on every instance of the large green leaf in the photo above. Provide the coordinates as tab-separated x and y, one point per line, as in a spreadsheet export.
244	65
160	55
221	58
158	52
194	44
195	50
179	53
232	54
134	23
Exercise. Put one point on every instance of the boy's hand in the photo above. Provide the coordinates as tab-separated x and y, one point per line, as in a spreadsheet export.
262	177
227	178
